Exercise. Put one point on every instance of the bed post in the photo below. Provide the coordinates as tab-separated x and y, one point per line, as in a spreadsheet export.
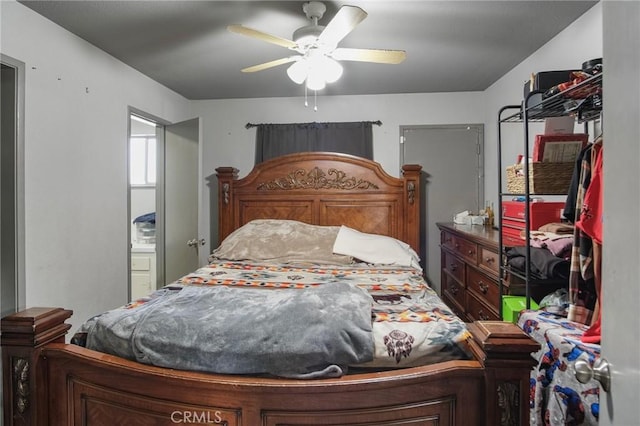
411	175
504	351
23	369
226	178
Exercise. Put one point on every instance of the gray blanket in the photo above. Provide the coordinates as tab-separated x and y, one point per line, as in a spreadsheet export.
314	332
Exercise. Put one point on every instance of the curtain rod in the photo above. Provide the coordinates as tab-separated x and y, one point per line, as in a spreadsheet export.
250	125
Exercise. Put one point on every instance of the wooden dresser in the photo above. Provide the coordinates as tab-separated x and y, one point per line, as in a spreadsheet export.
470	270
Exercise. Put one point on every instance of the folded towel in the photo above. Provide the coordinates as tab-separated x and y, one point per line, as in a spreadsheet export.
557	228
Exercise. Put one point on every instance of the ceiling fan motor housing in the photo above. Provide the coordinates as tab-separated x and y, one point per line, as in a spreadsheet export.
307	35
314	9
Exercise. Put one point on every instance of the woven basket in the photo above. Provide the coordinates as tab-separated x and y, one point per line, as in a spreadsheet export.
544	178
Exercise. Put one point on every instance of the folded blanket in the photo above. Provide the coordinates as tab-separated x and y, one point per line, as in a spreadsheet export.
302	333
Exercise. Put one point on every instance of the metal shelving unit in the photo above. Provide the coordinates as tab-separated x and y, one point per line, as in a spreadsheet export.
582	101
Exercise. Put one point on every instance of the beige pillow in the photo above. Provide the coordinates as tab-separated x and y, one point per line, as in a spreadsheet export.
281	241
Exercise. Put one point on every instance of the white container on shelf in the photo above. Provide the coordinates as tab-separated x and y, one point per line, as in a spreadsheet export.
145	233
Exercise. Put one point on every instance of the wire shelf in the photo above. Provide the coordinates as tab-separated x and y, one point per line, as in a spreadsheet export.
583	101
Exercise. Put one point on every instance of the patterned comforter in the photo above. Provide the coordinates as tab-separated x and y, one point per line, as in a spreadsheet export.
407	324
557	398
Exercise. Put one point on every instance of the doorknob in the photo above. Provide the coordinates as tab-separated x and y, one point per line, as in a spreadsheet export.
600	372
196	242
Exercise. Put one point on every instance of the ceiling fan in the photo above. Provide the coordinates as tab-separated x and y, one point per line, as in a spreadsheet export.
316	47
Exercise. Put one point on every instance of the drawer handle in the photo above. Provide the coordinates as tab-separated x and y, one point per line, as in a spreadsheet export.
454	290
482	315
483	287
489	260
471	252
456	245
448	240
453	267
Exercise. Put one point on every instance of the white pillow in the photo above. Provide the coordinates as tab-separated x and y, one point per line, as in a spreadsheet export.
373	248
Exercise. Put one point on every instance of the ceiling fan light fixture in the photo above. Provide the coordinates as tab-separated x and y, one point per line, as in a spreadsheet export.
315	81
298	71
330	69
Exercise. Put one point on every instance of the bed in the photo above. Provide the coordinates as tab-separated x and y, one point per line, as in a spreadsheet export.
49	382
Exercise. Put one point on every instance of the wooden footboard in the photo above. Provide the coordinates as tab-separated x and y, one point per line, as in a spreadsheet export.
48	382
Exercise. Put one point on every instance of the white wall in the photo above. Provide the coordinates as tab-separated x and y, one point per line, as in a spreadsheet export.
228	143
579	42
76	115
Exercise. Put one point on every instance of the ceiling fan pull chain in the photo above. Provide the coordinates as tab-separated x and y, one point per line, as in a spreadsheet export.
315	101
306	103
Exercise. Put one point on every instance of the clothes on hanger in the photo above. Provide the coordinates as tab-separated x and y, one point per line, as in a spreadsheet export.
584	207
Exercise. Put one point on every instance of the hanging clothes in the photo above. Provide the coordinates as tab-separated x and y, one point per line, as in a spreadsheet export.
590	222
590	218
582	289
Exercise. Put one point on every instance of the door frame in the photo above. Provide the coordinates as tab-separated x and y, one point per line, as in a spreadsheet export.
16	207
479	127
427	236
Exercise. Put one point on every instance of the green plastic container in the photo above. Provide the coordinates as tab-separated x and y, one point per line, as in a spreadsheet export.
512	305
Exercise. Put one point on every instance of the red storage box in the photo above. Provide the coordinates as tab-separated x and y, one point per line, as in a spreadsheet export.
540	213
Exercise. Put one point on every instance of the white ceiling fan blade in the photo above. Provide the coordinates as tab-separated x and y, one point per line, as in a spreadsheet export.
249	32
270	64
342	24
380	56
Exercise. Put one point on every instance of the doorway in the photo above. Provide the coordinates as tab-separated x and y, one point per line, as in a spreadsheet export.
163	163
143	143
12	267
452	160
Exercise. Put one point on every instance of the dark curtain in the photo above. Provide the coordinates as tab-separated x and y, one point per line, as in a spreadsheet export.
274	140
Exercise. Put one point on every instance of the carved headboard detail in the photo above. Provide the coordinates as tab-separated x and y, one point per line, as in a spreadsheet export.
323	189
317	179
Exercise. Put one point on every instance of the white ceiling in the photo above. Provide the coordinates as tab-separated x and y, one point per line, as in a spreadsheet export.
451	45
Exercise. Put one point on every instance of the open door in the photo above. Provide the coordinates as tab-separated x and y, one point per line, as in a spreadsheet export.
621	240
178	202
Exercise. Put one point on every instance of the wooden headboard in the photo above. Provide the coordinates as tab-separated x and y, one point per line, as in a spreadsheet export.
323	188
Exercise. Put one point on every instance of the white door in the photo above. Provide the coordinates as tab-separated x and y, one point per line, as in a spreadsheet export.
452	158
621	238
178	201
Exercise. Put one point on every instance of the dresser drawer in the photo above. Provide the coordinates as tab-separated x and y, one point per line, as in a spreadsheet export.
489	261
484	287
464	248
448	240
467	249
477	310
454	266
454	291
